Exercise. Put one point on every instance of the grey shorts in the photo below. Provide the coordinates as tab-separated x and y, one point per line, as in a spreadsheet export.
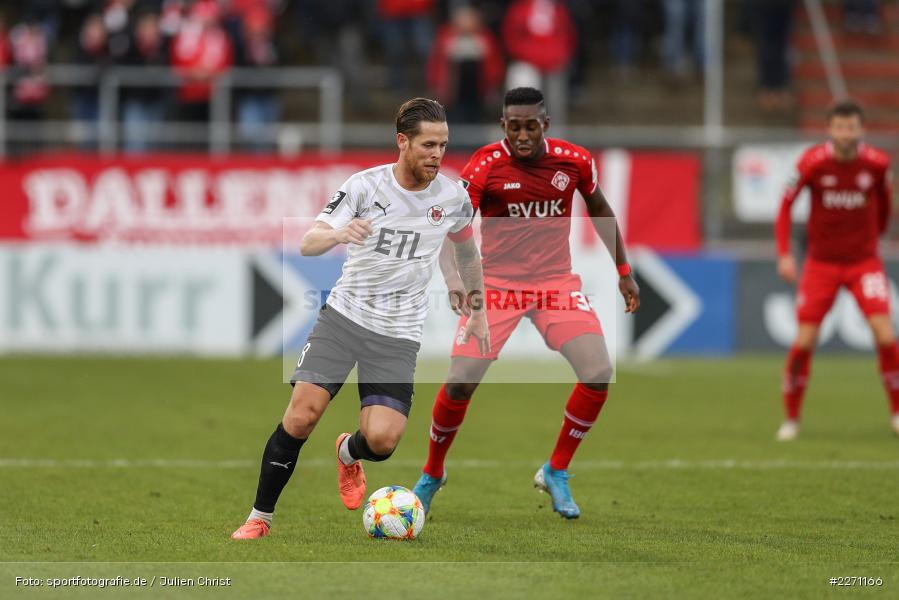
386	365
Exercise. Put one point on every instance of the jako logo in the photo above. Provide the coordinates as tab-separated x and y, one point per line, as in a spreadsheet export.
512	186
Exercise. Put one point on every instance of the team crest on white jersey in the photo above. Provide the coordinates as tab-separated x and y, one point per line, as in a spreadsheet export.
436	215
864	180
560	181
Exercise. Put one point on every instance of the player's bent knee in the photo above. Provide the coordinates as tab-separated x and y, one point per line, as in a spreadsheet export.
807	337
460	391
382	444
598	377
300	420
884	335
596	386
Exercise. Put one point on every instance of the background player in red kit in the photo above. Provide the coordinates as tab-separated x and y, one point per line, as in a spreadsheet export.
850	194
523	186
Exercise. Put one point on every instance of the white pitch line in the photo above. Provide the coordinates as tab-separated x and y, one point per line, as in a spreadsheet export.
586	465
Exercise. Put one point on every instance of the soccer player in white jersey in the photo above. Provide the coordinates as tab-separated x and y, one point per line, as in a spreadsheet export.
393	219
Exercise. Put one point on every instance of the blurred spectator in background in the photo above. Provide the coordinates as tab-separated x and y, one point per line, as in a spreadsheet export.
466	66
5	51
236	12
201	51
171	16
335	30
684	20
29	88
406	32
91	52
540	38
772	22
45	14
582	16
145	107
862	16
257	108
117	20
626	35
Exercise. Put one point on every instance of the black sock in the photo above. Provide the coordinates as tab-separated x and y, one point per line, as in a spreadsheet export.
278	462
358	447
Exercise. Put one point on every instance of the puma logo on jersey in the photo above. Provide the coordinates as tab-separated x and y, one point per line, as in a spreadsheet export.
512	186
541	208
383	208
843	199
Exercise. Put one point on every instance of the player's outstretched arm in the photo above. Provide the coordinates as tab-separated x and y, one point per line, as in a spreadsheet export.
323	237
786	264
468	261
598	208
454	286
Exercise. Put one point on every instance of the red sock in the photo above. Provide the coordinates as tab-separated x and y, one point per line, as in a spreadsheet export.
795	380
889	372
446	419
581	411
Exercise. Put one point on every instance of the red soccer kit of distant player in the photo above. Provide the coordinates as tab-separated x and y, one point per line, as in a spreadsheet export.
850	206
526	208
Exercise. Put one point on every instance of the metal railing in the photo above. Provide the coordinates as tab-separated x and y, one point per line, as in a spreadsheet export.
105	131
826	50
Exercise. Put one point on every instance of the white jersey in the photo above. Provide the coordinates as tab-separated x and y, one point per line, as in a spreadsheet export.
384	283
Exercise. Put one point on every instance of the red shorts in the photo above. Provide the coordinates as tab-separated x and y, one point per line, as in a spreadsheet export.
557	307
821	281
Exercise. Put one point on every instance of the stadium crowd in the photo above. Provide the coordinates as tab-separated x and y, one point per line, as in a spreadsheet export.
462	52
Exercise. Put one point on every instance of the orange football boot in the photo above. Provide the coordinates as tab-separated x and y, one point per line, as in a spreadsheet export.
350	479
252	529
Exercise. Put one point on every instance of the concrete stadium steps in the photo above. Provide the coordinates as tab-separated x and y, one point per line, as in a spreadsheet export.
833	10
873	99
869	63
804	41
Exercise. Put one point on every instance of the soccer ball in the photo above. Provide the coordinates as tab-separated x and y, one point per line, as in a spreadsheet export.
394	513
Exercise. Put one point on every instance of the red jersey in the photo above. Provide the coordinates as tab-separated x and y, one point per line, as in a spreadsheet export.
199	50
850	203
540	33
523	238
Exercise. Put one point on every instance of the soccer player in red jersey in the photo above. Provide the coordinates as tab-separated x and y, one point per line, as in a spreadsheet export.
524	186
850	208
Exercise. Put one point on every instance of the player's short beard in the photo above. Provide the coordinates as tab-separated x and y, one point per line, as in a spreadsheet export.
419	171
849	148
426	175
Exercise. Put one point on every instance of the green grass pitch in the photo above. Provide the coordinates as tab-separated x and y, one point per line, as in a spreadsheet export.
143	467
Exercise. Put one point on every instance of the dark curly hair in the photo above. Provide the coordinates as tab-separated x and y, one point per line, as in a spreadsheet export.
846	108
523	96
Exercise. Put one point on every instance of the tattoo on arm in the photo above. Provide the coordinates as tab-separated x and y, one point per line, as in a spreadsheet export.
468	261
